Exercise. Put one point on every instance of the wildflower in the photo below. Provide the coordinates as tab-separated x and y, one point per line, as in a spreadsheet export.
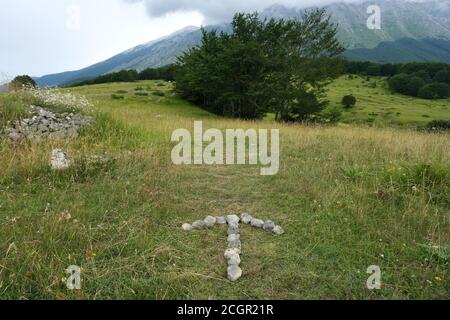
91	254
439	279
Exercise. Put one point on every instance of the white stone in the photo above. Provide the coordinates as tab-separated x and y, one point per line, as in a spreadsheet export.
233	237
199	224
234	259
233	219
278	230
234	273
257	223
246	218
230	252
269	225
187	227
221	220
59	160
210	221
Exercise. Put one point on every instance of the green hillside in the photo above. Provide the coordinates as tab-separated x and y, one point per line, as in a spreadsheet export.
377	105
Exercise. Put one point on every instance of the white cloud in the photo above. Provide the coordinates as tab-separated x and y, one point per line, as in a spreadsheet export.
215	11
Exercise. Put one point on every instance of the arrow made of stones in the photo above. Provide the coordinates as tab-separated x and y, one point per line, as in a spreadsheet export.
233	251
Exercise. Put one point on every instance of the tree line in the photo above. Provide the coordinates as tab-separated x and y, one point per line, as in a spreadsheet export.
426	80
166	73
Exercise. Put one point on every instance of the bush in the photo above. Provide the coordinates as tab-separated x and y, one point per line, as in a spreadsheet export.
439	125
349	101
121	91
20	82
142	94
399	83
159	94
435	91
117	97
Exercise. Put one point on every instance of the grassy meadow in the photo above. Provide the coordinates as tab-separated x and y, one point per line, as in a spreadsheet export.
348	197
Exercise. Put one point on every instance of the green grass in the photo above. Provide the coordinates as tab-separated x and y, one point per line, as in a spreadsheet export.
348	197
384	107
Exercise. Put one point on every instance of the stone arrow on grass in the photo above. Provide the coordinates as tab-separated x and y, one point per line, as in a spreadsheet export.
233	251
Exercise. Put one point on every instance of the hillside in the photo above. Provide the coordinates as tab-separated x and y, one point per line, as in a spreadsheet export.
404	50
401	19
348	198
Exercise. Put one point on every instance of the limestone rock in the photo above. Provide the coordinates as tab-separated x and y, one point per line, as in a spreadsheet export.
278	230
269	225
59	160
210	221
234	273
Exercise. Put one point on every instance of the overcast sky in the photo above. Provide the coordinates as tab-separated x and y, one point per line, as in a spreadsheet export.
39	37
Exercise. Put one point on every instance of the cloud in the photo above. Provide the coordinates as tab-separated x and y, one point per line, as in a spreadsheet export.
215	11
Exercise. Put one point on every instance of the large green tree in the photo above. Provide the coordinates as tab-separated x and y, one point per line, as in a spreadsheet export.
276	65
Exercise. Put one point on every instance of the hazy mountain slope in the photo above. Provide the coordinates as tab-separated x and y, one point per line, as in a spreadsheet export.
404	50
400	19
153	54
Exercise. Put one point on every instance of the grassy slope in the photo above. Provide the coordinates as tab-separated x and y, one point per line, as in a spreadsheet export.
380	106
129	212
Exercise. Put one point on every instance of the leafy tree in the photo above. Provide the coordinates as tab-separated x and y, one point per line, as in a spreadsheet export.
349	101
442	76
22	81
423	74
413	86
399	83
279	66
435	91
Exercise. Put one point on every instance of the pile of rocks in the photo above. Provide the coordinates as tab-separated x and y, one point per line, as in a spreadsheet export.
233	251
47	125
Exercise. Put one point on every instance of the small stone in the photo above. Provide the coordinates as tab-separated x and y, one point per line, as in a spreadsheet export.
221	220
59	160
278	230
199	224
187	227
234	273
210	221
257	223
235	244
246	218
233	229
233	237
233	219
230	252
234	259
269	225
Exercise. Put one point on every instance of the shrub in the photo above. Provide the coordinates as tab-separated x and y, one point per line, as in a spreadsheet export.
20	82
141	94
434	91
349	101
121	91
139	89
159	93
398	83
117	97
439	125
